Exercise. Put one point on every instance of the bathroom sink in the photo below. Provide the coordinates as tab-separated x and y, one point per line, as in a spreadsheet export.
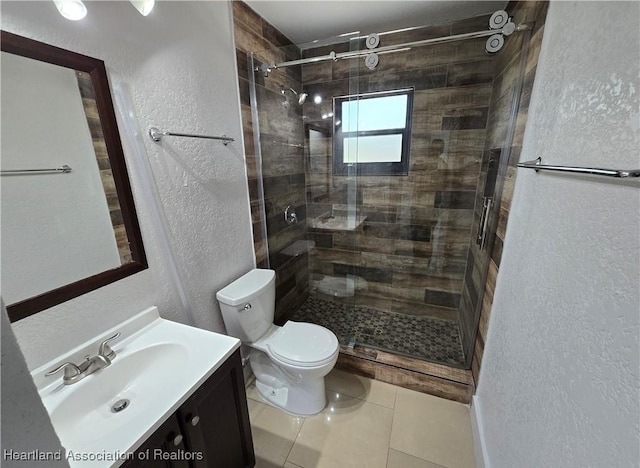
130	382
158	365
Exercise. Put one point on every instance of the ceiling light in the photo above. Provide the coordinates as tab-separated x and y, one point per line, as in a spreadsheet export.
324	116
71	9
143	6
317	99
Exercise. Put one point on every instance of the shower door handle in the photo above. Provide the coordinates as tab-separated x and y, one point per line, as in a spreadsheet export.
481	239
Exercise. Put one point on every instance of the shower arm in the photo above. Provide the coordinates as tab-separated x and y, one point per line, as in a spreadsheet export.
266	68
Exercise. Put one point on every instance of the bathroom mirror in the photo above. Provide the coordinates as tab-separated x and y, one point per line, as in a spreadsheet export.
69	224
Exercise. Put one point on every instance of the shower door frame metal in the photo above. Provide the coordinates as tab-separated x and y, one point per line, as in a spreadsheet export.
266	68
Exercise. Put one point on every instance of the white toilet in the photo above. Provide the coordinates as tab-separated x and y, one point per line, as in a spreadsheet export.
289	362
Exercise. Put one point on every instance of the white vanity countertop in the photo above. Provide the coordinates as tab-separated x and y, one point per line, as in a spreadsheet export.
159	364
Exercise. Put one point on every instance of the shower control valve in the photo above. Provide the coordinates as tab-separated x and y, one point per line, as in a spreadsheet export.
290	215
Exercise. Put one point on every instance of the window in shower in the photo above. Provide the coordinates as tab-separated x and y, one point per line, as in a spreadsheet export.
373	131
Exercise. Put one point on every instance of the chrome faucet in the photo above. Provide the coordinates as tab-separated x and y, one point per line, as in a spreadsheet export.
74	373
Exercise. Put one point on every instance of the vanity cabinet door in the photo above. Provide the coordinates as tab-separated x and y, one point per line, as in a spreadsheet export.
164	449
216	419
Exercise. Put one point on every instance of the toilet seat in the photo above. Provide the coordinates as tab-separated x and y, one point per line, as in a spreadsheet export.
303	345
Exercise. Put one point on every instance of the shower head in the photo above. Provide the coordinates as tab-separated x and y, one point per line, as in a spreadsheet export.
301	96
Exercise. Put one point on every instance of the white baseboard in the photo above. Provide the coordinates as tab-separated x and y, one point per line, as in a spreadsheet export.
477	428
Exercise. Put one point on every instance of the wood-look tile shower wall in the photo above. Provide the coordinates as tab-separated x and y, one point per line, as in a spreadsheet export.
410	253
282	164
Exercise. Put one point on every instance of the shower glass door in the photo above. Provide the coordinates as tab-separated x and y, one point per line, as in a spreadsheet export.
386	162
332	199
293	124
413	141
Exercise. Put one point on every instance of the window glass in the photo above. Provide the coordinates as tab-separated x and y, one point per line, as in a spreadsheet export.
373	149
372	133
379	113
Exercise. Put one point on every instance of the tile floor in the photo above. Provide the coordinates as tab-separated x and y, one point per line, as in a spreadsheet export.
368	424
427	338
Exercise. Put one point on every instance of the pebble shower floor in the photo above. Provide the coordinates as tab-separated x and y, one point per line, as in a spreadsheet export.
419	337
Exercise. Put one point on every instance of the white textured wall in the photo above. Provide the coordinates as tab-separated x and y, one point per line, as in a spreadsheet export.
179	63
44	126
559	385
25	423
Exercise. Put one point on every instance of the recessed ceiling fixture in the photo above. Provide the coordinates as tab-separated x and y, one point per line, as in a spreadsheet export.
71	9
143	6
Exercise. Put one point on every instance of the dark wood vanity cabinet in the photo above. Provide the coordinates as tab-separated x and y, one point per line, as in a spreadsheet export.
162	449
210	430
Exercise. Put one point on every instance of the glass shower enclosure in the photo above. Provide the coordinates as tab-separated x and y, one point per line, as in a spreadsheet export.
378	182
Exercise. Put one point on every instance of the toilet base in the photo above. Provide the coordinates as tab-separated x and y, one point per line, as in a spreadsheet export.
295	402
300	397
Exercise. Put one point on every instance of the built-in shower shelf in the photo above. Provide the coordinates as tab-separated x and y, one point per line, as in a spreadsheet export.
298	248
337	223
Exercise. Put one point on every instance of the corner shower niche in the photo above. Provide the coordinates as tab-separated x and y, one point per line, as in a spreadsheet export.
392	263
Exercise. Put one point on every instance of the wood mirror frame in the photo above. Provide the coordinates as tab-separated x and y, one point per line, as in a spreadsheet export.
30	48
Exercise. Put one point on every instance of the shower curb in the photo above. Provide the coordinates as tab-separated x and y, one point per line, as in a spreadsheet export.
421	376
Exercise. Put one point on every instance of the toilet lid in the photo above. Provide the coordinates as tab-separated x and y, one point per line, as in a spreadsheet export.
304	344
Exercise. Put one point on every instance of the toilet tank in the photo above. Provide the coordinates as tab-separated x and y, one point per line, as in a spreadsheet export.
248	304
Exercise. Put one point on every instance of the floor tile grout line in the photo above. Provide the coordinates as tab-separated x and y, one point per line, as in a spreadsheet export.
304	420
291	463
395	400
419	458
393	417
